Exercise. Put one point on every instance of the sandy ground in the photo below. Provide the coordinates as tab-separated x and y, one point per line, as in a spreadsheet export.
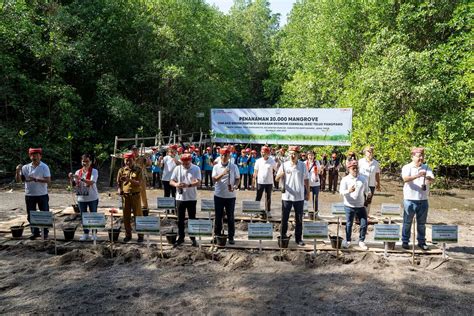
86	279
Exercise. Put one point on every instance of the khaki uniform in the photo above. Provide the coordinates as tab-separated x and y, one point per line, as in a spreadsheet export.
141	163
131	196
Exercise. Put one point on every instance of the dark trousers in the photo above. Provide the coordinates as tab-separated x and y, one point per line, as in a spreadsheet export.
322	179
170	191
286	207
245	182
157	178
182	207
229	205
268	195
208	177
42	201
361	213
333	181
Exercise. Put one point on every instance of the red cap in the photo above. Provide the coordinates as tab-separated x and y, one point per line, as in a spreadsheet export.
247	150
174	146
192	146
352	163
180	149
154	148
266	149
35	151
186	157
294	148
254	151
128	155
417	150
224	151
197	150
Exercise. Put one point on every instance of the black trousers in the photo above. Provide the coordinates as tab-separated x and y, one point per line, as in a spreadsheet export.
286	207
170	191
268	195
43	205
157	178
245	182
322	179
208	177
333	181
229	205
182	207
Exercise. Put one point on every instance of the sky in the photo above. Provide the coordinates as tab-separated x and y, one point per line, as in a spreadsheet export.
277	6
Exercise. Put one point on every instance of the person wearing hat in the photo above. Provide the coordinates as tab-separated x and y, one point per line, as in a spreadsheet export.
279	158
129	180
142	162
185	179
295	181
355	190
314	170
169	163
252	161
36	176
207	165
156	161
324	169
263	176
226	178
243	161
333	172
417	178
197	159
370	168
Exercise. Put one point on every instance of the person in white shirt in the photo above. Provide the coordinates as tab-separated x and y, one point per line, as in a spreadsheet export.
84	182
263	176
185	179
37	177
314	170
355	190
370	168
417	178
170	161
295	184
226	178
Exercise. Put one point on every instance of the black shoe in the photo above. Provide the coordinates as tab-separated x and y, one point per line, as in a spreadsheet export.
127	239
423	246
300	243
194	243
178	242
231	242
140	239
405	245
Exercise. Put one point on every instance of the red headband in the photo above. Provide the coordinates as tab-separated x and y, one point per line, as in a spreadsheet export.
35	151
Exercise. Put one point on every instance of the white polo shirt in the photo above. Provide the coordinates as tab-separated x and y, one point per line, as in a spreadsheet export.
412	190
356	198
369	169
168	166
39	172
265	170
313	175
294	180
188	176
221	188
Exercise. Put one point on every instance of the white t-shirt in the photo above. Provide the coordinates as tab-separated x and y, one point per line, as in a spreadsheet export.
265	170
369	169
412	190
168	166
294	181
356	198
221	187
40	172
313	176
87	193
188	176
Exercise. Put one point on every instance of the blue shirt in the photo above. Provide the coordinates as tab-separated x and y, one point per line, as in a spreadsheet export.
155	168
207	162
251	164
242	161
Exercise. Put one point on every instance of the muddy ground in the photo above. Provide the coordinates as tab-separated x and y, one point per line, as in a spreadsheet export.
83	279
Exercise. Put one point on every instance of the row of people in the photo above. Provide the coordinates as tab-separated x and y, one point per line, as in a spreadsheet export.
299	178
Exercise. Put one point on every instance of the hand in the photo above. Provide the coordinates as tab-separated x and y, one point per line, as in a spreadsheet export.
421	173
181	185
124	179
281	174
226	172
18	168
352	188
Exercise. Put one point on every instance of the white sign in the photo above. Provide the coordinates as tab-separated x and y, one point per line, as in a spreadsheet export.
386	232
312	126
41	219
337	209
391	209
315	230
147	224
260	231
93	220
165	203
199	227
445	233
251	207
207	205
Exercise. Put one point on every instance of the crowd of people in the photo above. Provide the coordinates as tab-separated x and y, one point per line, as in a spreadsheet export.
180	170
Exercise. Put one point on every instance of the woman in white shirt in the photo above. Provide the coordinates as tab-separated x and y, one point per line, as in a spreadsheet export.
314	170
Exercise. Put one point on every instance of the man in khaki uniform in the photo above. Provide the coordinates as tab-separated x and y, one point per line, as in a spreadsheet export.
142	162
129	179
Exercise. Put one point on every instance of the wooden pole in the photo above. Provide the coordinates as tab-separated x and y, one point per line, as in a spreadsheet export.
337	236
54	234
161	245
112	163
136	139
413	248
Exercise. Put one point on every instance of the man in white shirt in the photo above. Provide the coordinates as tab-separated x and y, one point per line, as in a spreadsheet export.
263	176
354	188
417	178
370	168
185	179
36	176
226	178
170	161
295	184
